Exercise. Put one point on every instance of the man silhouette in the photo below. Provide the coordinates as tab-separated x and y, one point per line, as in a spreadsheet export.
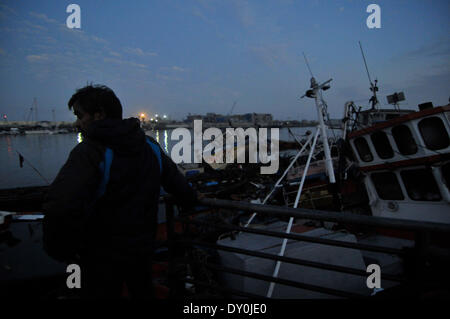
101	210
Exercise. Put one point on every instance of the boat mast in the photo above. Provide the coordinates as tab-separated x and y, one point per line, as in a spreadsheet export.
373	87
316	93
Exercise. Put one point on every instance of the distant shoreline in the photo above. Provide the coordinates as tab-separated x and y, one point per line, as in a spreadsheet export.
10	128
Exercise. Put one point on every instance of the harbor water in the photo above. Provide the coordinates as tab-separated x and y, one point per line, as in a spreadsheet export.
45	154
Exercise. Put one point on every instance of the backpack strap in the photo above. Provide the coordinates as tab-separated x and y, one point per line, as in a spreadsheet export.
157	152
105	166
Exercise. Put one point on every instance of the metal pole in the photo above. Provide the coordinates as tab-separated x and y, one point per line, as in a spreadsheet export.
295	137
338	217
291	219
281	178
346	118
326	147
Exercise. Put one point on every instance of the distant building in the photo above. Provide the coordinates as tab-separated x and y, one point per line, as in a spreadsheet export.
236	119
190	118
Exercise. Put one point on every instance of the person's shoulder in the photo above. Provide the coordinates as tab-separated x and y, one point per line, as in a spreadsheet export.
87	149
85	146
152	140
148	137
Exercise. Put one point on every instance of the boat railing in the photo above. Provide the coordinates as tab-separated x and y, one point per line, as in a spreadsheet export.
418	260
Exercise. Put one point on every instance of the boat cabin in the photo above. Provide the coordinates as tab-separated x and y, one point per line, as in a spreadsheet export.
406	162
418	137
371	117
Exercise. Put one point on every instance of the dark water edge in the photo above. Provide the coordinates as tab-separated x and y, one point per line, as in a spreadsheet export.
46	154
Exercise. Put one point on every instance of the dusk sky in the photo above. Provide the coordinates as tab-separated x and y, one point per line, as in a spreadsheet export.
180	57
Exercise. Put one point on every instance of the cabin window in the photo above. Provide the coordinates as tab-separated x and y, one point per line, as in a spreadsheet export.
363	149
404	140
434	133
387	186
391	116
382	145
421	185
365	118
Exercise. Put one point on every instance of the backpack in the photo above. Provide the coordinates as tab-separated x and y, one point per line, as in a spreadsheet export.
105	166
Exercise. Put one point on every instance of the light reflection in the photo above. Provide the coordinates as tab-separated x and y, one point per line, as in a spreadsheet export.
157	136
79	137
8	142
166	144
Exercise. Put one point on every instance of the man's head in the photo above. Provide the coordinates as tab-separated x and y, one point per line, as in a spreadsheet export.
92	103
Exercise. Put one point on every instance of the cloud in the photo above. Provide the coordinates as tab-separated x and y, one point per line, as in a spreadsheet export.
125	62
35	26
139	52
42	17
7	9
37	58
436	49
99	40
115	54
270	54
245	13
178	69
198	13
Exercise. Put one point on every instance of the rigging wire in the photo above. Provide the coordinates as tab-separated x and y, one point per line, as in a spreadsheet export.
307	64
23	159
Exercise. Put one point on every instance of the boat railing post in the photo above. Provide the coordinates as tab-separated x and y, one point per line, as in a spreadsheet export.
291	219
282	176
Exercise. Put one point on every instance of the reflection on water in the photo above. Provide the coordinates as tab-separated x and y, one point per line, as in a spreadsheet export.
166	147
9	143
49	152
79	137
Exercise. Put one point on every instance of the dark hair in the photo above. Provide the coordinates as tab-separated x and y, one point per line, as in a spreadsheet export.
97	98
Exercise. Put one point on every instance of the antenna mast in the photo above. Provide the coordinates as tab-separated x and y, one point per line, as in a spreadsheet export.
373	87
316	93
307	64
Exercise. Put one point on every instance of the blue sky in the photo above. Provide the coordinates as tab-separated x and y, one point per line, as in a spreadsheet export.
176	57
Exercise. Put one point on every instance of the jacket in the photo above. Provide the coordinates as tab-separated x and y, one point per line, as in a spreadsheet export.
123	220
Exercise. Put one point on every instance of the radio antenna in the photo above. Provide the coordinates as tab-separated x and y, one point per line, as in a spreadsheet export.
307	64
373	87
